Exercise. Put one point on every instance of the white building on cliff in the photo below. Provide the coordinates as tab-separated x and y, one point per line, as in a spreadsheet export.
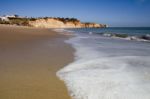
6	17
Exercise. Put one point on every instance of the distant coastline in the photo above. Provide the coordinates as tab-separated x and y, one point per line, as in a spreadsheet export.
48	22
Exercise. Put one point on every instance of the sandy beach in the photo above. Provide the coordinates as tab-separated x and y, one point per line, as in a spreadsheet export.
29	60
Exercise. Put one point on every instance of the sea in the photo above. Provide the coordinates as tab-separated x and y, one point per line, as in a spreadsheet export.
110	63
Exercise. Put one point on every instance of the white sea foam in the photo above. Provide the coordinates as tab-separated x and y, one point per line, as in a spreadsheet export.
102	73
63	31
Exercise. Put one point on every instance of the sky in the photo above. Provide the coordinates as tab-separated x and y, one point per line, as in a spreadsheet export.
115	13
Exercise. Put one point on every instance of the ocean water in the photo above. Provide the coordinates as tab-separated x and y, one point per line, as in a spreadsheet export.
129	33
106	67
121	30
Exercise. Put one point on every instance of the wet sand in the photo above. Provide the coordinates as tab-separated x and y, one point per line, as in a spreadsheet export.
29	60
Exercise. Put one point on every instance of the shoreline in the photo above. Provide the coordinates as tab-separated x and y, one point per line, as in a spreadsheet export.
30	58
101	64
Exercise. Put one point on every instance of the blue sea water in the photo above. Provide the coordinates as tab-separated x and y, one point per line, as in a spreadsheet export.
107	67
120	30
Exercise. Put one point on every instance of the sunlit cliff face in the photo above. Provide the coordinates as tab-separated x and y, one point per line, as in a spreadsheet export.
54	23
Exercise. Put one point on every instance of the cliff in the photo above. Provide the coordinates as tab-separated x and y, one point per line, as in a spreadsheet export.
62	23
48	22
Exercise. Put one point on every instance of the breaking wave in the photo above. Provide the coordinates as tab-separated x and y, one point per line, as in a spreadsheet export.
106	68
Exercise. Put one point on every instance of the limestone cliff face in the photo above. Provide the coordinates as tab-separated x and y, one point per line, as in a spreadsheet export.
54	23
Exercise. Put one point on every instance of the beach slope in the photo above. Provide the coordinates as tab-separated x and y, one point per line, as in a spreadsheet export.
29	60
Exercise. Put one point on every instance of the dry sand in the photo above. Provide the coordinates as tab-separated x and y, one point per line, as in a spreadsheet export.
29	59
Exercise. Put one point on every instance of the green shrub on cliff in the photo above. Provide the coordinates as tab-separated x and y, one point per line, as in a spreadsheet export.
65	20
32	19
19	21
4	22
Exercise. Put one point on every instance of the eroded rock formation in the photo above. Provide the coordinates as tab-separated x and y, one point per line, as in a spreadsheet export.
55	23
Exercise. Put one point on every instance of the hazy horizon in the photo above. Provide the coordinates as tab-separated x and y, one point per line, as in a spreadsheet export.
115	13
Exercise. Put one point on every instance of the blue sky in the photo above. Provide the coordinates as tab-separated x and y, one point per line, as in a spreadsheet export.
128	13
